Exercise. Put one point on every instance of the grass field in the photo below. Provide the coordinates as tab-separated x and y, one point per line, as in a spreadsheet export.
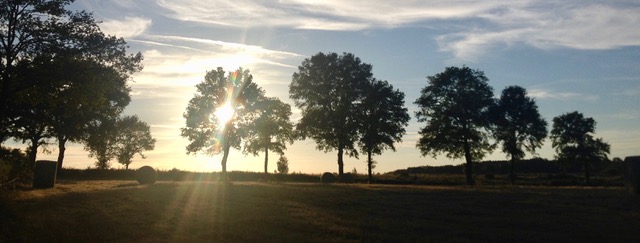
123	211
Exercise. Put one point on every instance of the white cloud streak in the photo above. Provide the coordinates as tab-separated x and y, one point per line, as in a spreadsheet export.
550	95
482	24
126	28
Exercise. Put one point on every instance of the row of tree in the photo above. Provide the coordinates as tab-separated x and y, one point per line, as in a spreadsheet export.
62	78
344	108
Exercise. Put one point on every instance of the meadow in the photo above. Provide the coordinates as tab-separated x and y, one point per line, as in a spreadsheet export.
209	211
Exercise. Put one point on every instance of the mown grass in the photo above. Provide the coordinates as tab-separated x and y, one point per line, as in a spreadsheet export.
122	211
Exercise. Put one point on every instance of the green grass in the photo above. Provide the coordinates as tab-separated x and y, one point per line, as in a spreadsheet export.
122	211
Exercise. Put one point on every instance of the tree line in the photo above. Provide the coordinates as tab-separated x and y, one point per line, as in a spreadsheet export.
63	79
348	111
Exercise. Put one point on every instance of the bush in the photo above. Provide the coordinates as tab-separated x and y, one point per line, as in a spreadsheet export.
327	178
346	178
146	175
14	167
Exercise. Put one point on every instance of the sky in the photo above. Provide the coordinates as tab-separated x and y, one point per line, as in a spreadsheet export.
570	55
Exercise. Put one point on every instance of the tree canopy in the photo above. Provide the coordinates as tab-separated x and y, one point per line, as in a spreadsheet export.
60	59
572	138
237	96
133	137
518	124
328	88
271	130
455	105
383	120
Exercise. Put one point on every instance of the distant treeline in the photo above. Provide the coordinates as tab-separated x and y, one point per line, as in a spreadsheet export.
529	166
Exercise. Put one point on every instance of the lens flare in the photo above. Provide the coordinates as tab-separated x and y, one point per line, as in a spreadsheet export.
224	113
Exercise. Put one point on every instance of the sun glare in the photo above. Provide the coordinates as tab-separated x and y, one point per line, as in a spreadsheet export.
224	114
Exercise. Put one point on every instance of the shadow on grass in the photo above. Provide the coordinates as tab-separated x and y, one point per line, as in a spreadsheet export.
208	211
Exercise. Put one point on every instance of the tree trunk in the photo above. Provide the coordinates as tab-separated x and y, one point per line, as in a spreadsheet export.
340	162
33	152
469	164
369	163
61	149
512	175
225	155
587	174
266	157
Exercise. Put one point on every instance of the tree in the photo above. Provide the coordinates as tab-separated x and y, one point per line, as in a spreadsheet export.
283	165
518	125
216	115
271	130
383	120
27	29
454	105
30	119
59	51
572	138
328	88
133	137
100	141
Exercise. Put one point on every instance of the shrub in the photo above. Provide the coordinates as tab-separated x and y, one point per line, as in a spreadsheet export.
327	178
14	167
283	165
146	175
346	178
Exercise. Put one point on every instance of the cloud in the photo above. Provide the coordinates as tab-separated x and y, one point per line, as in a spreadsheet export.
542	24
179	60
128	27
546	95
546	26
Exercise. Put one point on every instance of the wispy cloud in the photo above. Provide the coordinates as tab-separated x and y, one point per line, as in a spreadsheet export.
560	25
542	94
127	28
542	24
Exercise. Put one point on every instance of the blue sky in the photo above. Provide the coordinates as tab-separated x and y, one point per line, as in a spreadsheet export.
570	55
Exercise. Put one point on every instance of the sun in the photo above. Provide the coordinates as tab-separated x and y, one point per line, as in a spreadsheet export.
224	113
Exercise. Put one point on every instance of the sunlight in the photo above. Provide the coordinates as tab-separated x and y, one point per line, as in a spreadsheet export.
224	113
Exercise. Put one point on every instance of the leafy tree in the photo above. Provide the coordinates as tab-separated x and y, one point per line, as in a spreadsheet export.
133	137
454	105
572	137
68	58
270	130
235	97
101	141
383	120
283	165
24	32
518	125
328	88
30	120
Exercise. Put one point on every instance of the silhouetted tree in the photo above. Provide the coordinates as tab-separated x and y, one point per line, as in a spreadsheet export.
33	33
328	88
78	70
454	105
270	130
519	126
236	93
572	137
283	165
29	120
383	120
100	141
133	137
